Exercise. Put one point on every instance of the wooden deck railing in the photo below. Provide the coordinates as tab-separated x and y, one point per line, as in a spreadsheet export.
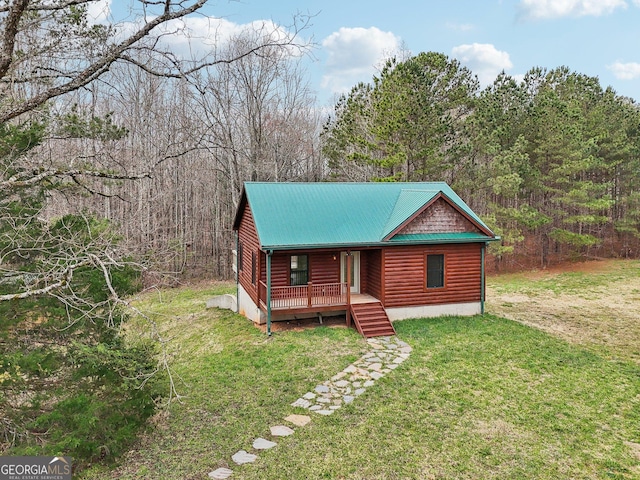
304	296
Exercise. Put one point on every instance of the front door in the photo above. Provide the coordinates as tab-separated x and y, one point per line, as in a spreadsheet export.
355	270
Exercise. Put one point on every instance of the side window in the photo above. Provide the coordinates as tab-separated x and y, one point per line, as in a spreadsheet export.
435	271
253	268
239	256
299	270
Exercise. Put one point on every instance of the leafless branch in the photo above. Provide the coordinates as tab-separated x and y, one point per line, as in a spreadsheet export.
95	68
28	179
62	279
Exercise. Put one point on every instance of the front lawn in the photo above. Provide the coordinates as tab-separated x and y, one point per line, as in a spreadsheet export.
479	398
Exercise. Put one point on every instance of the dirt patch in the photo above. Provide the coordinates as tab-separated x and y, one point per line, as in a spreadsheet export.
635	448
306	323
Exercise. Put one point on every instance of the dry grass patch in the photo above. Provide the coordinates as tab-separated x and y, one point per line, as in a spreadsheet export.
595	304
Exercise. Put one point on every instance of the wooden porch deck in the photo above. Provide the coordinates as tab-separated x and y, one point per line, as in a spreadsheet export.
367	311
311	297
357	298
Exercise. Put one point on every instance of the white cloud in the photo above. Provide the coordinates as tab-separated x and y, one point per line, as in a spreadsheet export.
99	12
625	71
546	9
195	37
462	27
484	60
196	34
354	54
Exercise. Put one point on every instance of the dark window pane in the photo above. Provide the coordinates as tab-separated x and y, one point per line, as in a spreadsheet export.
299	270
435	271
253	268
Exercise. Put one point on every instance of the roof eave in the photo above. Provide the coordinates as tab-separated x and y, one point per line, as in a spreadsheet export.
440	242
344	246
240	209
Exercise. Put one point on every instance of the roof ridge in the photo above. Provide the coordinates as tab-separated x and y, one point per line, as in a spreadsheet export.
417	190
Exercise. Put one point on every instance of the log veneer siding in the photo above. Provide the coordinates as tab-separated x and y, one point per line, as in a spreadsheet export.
248	236
322	267
373	260
405	275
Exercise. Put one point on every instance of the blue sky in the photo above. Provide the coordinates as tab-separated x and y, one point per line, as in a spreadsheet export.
595	37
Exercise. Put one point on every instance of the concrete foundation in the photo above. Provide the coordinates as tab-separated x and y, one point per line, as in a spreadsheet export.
429	311
227	301
249	309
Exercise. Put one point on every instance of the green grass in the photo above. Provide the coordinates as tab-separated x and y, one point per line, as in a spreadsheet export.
597	277
480	397
595	304
234	381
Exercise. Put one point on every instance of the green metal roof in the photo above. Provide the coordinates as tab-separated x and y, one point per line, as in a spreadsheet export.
312	215
408	202
462	237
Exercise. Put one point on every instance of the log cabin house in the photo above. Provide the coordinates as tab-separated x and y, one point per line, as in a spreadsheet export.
373	252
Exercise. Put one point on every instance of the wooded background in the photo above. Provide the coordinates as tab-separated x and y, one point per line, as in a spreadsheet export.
550	162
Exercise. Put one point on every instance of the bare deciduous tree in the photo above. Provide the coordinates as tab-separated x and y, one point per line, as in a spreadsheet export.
202	136
53	57
68	84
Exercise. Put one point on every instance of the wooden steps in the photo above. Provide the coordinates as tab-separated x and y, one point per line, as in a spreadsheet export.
371	320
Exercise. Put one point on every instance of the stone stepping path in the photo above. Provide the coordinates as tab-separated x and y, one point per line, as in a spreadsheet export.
263	444
281	431
221	474
243	457
298	420
385	355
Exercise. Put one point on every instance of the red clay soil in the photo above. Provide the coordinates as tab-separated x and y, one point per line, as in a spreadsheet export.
303	324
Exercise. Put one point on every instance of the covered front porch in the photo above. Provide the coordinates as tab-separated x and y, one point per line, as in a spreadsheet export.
311	298
301	284
315	300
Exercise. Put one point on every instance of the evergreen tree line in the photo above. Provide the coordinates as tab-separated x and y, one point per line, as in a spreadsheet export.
550	161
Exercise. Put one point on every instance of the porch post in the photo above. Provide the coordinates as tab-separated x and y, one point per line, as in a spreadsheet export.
348	279
237	272
269	252
482	281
